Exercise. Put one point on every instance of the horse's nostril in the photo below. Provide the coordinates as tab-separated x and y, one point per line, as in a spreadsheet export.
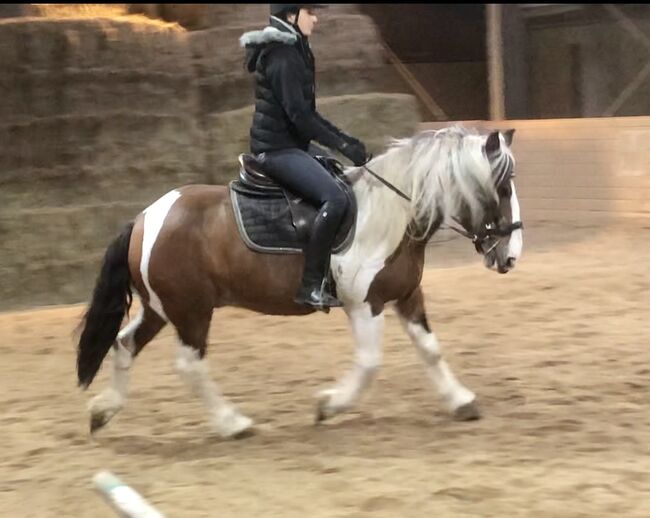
510	262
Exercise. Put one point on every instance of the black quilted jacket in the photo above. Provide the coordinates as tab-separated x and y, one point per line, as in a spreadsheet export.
285	99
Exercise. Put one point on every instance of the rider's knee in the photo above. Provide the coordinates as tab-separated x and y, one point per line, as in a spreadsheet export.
338	202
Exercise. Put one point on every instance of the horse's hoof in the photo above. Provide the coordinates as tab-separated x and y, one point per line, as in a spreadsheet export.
320	415
467	412
237	426
97	421
244	434
323	410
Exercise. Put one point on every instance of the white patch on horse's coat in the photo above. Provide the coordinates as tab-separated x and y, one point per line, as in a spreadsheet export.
125	336
426	341
154	217
112	399
453	394
194	372
123	354
516	238
122	360
367	330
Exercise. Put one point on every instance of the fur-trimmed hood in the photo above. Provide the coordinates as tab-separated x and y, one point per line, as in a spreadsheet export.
255	41
267	35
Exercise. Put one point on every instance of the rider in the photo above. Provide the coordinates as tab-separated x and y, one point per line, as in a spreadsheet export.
284	123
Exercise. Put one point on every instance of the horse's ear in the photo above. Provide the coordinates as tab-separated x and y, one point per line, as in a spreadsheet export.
493	143
507	135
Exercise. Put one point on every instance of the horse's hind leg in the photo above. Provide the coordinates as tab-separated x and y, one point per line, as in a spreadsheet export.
130	341
459	400
193	369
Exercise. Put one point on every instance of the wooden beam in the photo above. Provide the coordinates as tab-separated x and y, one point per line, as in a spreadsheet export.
415	85
628	24
495	62
638	80
632	87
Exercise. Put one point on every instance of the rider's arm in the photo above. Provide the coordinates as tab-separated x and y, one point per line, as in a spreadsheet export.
337	131
283	72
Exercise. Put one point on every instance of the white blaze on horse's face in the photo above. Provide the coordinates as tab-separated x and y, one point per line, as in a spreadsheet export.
502	253
516	244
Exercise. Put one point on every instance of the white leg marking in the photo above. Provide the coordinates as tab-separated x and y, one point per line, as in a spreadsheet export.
516	238
112	399
453	394
225	418
367	331
154	217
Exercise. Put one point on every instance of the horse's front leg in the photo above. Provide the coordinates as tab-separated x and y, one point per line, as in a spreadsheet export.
457	399
367	330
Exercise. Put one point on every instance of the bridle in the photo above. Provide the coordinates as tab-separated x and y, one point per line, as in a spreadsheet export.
492	230
489	231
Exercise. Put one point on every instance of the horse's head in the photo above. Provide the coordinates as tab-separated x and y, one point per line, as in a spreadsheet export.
498	237
458	174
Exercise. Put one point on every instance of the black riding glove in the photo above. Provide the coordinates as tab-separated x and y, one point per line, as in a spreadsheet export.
355	151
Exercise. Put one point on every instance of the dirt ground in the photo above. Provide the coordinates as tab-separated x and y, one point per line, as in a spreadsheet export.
558	352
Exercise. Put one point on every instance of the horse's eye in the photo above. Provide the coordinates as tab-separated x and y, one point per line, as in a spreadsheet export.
505	191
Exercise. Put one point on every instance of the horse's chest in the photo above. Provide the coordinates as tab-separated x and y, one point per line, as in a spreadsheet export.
378	282
399	277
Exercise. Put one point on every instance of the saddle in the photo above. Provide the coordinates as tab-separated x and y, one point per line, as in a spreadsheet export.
272	219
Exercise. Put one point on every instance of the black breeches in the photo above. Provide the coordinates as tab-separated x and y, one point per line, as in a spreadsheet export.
302	174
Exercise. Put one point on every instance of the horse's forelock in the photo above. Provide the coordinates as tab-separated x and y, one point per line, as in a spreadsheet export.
502	163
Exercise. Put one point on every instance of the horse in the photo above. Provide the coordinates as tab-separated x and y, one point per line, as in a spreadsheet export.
184	257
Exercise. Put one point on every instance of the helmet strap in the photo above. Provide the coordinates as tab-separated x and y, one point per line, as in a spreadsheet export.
295	22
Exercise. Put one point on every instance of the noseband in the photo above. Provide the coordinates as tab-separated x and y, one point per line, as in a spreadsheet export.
489	231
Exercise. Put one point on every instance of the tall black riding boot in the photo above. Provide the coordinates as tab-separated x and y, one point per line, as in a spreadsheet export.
313	291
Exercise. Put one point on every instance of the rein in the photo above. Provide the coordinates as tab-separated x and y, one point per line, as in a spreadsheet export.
385	182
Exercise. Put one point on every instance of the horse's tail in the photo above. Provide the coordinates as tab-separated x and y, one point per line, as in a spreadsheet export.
111	300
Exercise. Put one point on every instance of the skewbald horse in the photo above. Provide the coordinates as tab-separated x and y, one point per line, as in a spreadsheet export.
183	256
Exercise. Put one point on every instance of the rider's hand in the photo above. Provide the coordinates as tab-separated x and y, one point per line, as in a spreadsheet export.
355	151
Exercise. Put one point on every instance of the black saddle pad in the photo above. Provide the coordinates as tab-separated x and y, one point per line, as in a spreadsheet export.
273	220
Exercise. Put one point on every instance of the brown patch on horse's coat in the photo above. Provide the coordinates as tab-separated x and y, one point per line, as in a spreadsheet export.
200	261
412	309
400	276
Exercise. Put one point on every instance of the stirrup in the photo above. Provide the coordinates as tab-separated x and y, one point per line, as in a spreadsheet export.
317	298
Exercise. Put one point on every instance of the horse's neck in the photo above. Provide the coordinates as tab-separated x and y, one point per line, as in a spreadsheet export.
383	216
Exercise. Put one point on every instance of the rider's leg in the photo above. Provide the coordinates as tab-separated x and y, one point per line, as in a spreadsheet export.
302	174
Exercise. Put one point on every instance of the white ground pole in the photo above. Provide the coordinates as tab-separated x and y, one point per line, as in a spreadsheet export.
123	499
